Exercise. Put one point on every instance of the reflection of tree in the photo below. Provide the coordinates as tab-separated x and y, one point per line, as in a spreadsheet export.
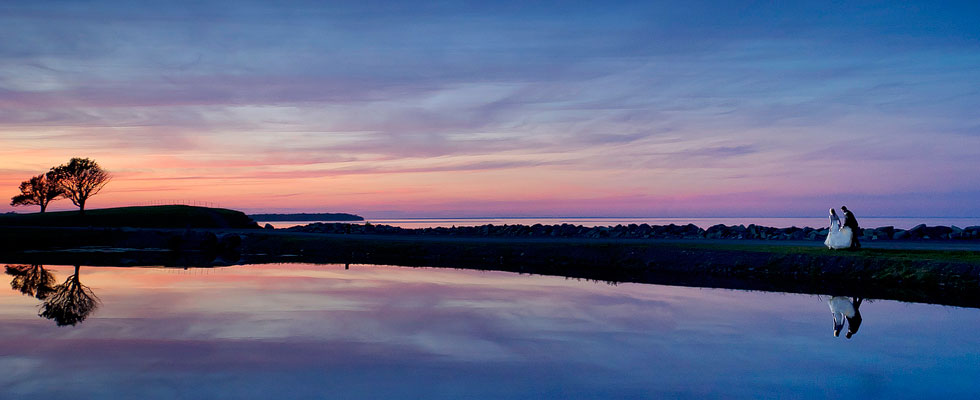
70	303
32	280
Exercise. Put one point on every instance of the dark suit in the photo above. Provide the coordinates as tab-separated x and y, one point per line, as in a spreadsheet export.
851	222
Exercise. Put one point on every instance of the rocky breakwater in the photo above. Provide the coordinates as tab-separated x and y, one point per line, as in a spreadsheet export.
645	231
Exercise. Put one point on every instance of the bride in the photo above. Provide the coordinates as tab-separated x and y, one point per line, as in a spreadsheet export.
837	238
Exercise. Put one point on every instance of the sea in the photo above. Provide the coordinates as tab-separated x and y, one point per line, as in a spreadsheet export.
703	222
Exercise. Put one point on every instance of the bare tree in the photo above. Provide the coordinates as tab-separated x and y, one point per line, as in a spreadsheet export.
39	190
32	280
70	303
80	179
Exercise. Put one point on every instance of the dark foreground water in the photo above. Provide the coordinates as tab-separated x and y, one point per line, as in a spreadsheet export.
320	331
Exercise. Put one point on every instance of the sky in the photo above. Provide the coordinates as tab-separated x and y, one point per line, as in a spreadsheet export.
441	109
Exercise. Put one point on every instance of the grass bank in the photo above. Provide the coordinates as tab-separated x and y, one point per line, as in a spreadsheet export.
950	277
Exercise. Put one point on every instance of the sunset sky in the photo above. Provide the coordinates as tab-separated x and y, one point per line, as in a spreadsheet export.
487	108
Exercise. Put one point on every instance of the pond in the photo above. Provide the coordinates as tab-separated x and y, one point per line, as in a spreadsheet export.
326	331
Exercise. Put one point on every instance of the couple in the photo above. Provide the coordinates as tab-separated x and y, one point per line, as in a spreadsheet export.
843	235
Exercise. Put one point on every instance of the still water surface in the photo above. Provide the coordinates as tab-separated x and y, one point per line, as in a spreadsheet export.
320	331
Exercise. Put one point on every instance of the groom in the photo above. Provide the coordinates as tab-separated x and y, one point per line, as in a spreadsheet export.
851	222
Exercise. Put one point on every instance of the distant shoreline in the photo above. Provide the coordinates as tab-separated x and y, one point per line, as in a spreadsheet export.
702	222
306	217
645	231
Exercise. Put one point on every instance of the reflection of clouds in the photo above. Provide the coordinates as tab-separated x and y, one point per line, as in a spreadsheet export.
18	371
296	330
470	318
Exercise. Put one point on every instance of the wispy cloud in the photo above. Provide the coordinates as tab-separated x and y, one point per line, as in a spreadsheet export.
636	99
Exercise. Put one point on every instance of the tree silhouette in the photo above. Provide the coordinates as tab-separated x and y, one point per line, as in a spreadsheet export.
32	280
80	179
70	303
39	190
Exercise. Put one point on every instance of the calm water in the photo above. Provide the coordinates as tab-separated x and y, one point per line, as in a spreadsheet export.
320	331
814	222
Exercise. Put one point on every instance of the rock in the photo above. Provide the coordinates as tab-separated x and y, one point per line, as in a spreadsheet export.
229	242
269	226
937	232
918	231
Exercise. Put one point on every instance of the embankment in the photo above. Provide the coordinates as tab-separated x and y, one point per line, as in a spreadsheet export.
941	277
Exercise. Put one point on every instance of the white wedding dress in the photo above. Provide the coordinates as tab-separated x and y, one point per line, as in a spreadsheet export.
838	238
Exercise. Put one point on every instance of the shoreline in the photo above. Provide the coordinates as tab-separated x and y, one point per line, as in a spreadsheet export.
702	222
939	276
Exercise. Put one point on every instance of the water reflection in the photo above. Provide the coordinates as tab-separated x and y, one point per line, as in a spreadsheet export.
31	280
66	304
846	310
302	330
72	302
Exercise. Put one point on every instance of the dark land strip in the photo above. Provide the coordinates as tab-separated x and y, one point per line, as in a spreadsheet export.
925	264
935	275
920	233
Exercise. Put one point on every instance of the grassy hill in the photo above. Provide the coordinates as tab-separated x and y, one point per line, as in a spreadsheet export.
137	217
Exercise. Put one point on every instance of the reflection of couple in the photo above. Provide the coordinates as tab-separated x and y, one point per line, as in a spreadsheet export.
846	309
843	235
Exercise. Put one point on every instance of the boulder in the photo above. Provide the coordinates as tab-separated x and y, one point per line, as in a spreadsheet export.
885	232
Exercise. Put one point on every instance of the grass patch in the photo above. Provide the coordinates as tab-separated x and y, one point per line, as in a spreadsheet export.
896	255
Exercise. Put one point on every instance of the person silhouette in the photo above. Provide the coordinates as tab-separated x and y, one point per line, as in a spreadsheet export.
851	222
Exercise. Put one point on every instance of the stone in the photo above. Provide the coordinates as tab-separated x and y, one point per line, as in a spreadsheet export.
918	228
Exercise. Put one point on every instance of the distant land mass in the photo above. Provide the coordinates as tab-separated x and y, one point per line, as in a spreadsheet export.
307	217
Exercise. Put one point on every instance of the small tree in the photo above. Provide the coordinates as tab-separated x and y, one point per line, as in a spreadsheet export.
80	179
39	190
